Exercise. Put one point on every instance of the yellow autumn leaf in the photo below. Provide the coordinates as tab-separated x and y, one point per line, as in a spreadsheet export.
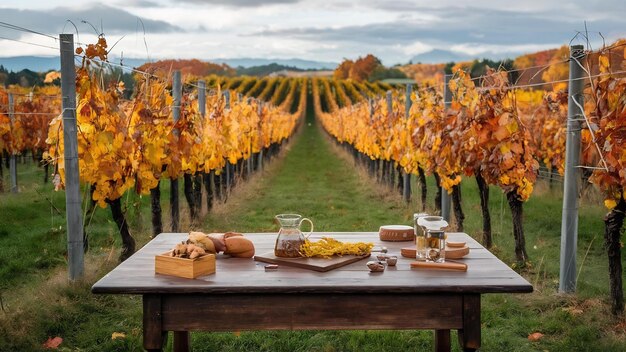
610	203
118	335
512	127
603	63
104	141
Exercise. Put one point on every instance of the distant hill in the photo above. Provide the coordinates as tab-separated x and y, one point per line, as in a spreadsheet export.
33	63
47	63
193	67
437	56
299	63
265	70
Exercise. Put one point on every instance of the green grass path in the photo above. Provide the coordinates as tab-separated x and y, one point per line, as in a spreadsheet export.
312	181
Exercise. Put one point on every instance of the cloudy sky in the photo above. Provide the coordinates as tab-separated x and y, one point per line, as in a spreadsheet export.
395	31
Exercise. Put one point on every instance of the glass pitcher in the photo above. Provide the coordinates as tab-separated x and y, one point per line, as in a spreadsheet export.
290	238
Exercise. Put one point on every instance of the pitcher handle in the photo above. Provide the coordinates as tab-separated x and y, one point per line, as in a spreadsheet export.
310	222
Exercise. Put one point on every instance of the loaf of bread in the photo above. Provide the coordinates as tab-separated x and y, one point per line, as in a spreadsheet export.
239	246
231	243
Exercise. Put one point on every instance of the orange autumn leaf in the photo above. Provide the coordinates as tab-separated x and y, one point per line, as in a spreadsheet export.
52	343
501	133
535	336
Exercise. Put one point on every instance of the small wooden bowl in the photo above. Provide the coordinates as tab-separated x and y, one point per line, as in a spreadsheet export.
396	233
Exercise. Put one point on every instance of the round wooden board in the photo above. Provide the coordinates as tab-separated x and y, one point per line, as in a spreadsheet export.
455	244
451	253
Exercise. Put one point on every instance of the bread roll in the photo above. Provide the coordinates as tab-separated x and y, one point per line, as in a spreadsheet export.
239	246
218	241
203	241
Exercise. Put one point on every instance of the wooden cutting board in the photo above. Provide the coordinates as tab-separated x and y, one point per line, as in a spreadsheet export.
317	264
451	252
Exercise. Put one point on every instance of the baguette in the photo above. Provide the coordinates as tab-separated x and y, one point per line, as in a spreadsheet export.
440	266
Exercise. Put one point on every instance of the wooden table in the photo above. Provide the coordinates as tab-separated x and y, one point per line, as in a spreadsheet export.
241	295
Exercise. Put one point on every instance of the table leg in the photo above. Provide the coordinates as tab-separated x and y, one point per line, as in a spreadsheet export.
182	342
469	336
154	338
442	340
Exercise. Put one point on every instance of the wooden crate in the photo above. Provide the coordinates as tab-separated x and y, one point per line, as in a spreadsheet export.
183	267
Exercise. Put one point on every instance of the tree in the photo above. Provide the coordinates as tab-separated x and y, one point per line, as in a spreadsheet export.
559	69
193	67
610	176
343	70
104	144
500	152
363	67
381	72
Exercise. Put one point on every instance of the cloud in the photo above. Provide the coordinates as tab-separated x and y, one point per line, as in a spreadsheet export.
138	3
441	28
54	21
242	3
414	48
476	49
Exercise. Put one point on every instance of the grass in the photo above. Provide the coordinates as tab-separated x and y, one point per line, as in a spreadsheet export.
318	180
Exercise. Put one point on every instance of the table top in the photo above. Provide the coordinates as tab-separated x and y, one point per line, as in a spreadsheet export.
485	272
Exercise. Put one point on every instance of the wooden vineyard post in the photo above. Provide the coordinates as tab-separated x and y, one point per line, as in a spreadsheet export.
177	92
373	164
200	175
13	156
208	177
406	177
229	173
75	249
569	223
445	197
202	98
227	98
260	156
389	170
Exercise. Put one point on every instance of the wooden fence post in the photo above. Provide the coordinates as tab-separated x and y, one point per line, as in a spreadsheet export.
177	92
13	155
75	249
406	177
445	196
569	223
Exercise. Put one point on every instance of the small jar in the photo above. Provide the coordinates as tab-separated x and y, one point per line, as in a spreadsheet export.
435	246
420	237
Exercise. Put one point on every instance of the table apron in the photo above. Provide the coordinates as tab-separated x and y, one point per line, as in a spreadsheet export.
210	312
